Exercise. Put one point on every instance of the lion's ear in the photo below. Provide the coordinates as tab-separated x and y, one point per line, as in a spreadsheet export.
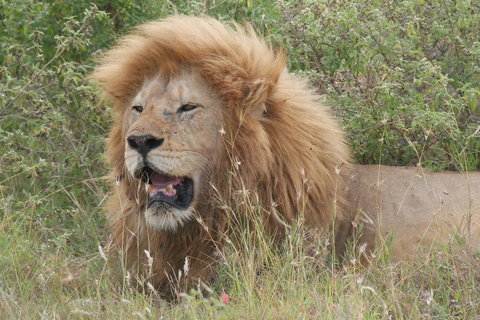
241	87
256	93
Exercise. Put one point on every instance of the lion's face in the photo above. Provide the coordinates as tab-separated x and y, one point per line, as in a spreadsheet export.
172	140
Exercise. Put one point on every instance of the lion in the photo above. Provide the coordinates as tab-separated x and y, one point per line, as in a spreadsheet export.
206	113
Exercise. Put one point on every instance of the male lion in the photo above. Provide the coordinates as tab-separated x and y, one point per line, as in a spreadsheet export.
206	115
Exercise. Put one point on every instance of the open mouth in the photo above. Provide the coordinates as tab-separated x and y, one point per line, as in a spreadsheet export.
175	191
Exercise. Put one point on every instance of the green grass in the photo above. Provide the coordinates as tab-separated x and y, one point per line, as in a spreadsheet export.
42	278
422	104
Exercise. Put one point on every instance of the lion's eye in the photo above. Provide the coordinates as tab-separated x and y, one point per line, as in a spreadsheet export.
139	109
187	107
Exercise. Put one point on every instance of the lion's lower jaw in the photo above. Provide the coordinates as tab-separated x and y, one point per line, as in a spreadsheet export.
163	217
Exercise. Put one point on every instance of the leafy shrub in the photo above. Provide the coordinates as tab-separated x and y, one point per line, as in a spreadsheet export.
405	75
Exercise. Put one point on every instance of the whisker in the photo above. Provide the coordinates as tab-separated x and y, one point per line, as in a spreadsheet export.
188	157
199	158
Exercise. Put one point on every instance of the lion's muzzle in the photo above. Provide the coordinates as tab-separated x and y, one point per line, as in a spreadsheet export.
176	191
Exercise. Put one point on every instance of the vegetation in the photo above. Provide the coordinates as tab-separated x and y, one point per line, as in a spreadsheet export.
404	77
403	73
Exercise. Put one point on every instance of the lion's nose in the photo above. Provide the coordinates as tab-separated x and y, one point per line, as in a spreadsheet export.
143	144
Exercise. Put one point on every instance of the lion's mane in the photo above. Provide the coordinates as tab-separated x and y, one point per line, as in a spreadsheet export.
286	145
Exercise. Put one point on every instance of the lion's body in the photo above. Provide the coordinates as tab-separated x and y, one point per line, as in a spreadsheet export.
419	209
212	112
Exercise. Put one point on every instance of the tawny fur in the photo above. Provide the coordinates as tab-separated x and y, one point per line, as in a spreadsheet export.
288	146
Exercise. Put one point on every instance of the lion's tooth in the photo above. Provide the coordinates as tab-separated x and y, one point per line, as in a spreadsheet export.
150	188
169	188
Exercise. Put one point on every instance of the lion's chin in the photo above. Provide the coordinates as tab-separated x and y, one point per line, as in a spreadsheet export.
161	216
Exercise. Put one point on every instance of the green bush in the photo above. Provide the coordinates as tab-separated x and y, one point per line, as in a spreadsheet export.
404	75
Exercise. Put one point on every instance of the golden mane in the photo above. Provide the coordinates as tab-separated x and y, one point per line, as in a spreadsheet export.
280	142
